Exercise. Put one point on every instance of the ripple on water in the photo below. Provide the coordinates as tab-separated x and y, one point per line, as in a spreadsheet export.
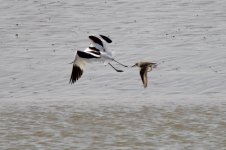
141	126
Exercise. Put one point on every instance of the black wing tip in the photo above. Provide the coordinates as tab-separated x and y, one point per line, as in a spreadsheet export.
92	37
75	74
96	40
107	39
88	55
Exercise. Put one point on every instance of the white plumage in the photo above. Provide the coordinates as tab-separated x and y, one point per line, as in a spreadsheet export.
97	51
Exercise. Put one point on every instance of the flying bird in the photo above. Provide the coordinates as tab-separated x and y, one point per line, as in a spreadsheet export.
97	51
145	67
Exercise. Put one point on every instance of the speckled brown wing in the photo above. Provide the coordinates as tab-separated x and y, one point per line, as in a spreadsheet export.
143	75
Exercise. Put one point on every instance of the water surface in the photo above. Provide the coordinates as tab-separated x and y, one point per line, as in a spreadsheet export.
182	108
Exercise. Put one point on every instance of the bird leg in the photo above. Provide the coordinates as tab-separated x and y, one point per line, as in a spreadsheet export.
115	68
119	63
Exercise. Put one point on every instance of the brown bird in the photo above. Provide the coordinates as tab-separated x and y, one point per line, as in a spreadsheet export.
145	67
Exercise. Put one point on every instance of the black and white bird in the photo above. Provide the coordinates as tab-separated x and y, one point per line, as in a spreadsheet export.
145	67
96	51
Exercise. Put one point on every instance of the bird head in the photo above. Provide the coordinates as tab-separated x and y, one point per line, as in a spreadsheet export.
154	65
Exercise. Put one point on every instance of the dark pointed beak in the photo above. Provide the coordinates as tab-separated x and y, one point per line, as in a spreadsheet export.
133	66
155	65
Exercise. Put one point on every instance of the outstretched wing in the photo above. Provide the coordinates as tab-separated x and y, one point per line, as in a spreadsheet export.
107	39
76	73
97	43
79	64
143	75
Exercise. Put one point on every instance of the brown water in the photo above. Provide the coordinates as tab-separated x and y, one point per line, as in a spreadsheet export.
68	125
